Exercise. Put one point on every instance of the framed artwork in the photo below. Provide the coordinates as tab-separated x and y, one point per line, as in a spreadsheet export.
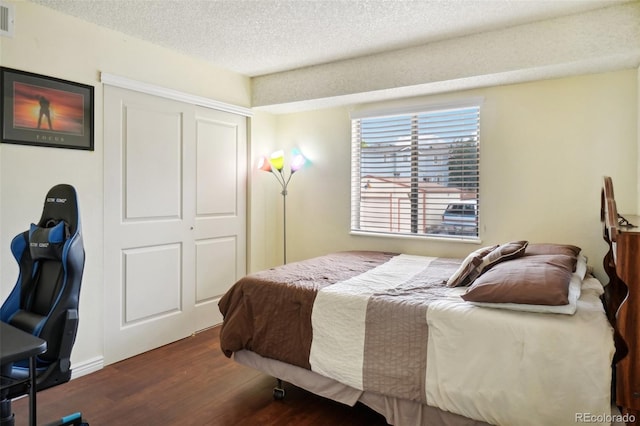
45	111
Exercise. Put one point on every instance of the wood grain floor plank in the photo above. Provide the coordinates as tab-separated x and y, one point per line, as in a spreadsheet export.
189	382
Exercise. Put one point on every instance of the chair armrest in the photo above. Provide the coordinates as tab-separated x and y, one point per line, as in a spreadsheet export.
68	338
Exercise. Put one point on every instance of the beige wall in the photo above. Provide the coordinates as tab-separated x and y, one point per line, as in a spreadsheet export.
264	204
544	148
638	136
46	42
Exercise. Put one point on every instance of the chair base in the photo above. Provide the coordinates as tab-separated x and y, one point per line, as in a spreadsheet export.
7	418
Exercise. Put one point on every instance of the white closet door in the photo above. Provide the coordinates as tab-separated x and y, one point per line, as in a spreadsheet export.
220	210
169	246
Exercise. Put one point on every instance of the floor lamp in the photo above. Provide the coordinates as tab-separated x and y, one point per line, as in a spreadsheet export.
275	165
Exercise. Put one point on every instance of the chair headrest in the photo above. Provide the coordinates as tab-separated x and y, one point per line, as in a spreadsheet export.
61	205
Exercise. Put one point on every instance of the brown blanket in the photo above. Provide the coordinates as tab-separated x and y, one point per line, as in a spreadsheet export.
269	312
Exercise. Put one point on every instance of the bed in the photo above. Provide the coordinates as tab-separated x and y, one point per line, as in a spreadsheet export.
513	334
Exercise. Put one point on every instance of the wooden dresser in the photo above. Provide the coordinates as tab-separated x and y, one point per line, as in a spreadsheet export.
627	265
622	299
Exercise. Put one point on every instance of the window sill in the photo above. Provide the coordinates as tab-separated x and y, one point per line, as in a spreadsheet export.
422	237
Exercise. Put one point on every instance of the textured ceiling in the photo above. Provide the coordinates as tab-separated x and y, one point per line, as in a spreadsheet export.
258	37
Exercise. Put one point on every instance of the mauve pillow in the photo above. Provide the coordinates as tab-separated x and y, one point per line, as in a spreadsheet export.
533	280
469	269
550	248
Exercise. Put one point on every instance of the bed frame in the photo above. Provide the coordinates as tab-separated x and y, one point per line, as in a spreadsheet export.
395	410
622	265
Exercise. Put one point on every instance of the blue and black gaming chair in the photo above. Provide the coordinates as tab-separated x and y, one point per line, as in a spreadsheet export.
44	301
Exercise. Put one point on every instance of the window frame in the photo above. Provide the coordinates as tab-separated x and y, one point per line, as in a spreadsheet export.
417	113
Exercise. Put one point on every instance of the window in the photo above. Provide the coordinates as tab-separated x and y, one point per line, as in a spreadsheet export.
417	173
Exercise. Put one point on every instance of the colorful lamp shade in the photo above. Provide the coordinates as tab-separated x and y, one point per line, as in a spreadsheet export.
297	160
264	164
277	160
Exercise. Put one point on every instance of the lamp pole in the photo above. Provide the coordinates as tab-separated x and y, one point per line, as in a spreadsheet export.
284	224
284	182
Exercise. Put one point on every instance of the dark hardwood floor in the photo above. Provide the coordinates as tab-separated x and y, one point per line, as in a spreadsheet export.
189	382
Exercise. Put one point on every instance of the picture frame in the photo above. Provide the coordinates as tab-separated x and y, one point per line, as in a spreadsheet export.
45	111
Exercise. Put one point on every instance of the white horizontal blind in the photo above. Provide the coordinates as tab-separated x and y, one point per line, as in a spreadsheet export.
417	173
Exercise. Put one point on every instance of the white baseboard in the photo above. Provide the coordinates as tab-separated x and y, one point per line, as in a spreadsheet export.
87	367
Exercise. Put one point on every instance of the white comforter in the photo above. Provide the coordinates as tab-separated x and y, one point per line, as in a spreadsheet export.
512	379
525	368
